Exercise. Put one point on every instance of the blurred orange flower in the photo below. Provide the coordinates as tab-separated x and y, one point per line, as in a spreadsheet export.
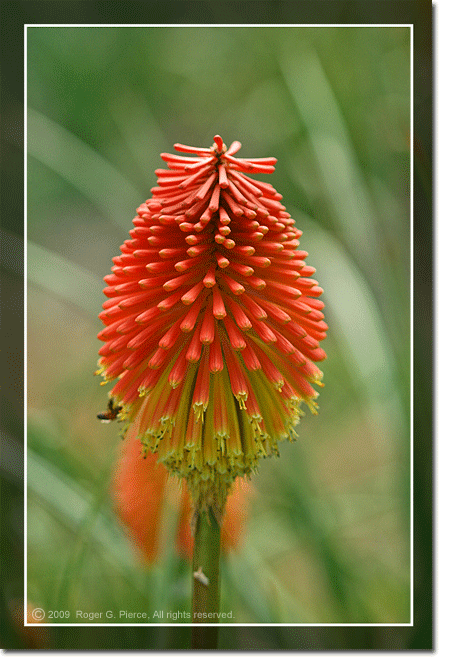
138	490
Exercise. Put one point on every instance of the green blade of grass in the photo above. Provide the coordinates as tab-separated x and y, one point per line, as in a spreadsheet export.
64	278
84	168
73	506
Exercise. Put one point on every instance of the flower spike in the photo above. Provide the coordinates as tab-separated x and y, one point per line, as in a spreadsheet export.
212	325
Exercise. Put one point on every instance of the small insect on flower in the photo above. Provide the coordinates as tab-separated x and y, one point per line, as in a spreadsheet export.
111	413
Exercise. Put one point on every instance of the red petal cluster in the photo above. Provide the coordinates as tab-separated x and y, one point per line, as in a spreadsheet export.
212	323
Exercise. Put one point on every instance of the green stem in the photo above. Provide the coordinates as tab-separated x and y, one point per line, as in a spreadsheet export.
205	579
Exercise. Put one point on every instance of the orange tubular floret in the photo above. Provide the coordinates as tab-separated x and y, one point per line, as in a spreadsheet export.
236	375
200	398
207	328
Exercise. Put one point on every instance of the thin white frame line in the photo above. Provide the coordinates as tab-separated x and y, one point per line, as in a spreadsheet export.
207	624
411	334
25	325
218	25
233	25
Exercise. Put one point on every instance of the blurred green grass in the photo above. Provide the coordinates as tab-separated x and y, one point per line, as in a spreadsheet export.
328	536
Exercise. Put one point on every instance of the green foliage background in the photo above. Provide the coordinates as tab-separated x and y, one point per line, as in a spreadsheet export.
328	537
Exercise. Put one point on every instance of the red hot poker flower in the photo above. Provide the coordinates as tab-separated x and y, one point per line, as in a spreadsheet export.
212	323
